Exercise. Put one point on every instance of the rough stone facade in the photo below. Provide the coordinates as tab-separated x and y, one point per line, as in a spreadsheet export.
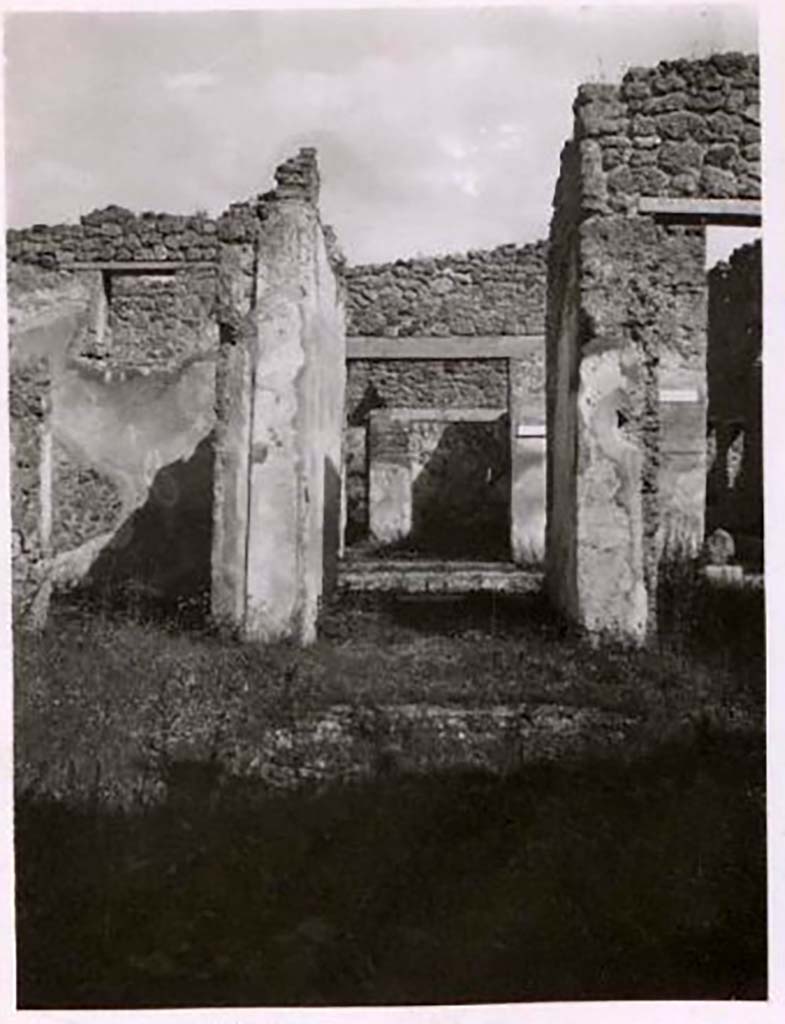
426	384
495	291
29	436
115	235
682	128
735	481
626	331
498	292
160	319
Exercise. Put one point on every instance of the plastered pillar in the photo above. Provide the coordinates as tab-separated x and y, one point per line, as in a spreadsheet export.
389	478
528	445
280	419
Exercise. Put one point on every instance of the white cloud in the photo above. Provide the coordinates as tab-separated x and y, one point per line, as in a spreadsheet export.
190	81
454	147
427	140
467	181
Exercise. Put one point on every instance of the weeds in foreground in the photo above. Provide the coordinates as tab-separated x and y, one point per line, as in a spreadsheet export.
162	862
116	706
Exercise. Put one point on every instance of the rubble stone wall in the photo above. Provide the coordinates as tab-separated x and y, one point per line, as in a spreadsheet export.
683	128
29	385
115	235
483	292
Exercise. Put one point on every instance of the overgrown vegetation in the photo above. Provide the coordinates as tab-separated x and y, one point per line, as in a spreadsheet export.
151	870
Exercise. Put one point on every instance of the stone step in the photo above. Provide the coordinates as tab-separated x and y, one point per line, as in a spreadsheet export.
420	576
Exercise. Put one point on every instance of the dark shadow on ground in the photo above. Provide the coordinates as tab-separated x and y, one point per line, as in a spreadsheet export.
588	880
448	614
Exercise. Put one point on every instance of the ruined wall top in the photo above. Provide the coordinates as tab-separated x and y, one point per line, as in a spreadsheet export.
298	177
482	292
117	235
685	128
153	285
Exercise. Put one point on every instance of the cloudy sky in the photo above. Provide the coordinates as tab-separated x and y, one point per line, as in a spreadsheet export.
437	130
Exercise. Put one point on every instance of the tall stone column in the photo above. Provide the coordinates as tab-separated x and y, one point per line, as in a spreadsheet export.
234	390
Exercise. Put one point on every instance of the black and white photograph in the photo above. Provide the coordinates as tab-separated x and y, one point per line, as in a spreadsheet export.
386	433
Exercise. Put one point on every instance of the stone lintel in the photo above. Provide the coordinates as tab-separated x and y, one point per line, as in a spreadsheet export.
743	212
531	430
678	396
139	266
401	576
432	414
499	346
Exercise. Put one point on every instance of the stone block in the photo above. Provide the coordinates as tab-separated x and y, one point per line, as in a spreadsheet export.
724	575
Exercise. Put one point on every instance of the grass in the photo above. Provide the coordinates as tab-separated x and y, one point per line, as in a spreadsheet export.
634	874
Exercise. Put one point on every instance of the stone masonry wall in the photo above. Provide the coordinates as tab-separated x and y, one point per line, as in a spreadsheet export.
630	330
735	483
148	318
29	386
160	319
495	291
115	235
682	128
